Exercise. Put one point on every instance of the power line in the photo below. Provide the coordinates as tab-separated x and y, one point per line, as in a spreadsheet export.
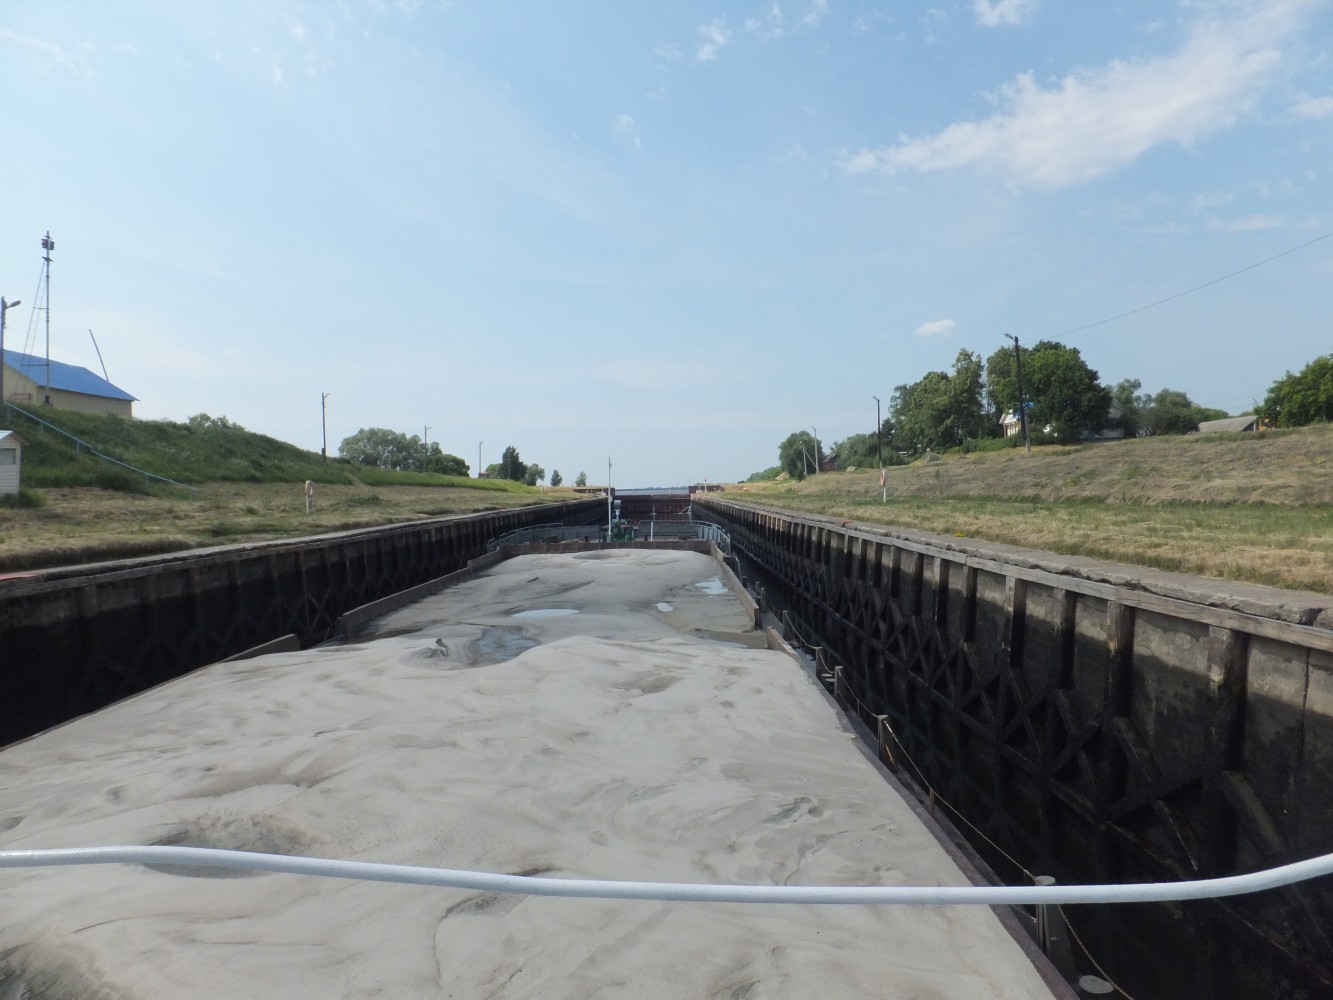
1206	284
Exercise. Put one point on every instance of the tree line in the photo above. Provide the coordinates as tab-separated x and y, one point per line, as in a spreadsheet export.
387	449
1062	399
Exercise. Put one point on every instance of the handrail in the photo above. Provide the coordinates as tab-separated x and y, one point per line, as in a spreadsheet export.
105	458
679	892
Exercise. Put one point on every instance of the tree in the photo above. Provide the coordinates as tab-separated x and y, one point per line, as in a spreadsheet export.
1124	397
511	466
556	478
377	446
798	455
581	479
856	451
386	449
941	410
533	474
1169	412
1303	398
1063	392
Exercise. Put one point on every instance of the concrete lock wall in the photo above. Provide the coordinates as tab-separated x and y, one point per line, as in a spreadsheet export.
1091	722
75	640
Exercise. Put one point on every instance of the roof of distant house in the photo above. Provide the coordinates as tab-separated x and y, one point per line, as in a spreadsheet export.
1244	423
70	378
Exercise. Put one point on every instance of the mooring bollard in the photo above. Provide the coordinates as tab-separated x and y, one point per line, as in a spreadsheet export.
1094	986
1053	936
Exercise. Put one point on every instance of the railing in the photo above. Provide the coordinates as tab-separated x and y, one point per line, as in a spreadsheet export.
548	533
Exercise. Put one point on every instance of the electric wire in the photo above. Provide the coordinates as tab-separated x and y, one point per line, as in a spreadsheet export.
1189	291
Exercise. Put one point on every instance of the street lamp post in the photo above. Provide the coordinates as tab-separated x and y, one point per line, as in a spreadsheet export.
1022	409
4	307
324	424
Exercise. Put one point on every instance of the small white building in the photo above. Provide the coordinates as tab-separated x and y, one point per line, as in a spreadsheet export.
11	462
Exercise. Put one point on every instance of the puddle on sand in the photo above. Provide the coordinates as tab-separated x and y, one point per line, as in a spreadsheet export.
664	606
545	613
714	587
497	645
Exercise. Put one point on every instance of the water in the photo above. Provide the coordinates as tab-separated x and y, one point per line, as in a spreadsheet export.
545	613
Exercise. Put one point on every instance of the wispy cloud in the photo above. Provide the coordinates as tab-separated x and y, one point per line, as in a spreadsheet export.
1093	122
715	35
815	13
935	328
1246	224
791	153
995	13
1313	107
657	94
74	63
774	23
625	126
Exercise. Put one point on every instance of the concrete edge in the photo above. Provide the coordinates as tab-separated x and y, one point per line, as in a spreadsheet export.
288	643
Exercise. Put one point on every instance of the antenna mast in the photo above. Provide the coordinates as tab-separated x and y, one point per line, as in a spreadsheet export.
48	245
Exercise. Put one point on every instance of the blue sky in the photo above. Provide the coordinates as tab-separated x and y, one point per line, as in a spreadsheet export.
668	233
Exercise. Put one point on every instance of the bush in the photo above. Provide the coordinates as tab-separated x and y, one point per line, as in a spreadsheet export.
23	498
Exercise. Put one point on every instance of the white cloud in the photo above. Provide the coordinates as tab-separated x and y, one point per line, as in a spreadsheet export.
936	328
1313	107
993	13
1096	121
1246	224
816	12
276	74
626	126
1200	202
657	94
715	35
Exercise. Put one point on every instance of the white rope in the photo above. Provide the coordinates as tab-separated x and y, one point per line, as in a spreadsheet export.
679	892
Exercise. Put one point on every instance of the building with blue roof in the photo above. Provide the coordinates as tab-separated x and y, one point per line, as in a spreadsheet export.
70	386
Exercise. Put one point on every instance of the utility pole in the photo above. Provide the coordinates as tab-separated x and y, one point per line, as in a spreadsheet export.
425	437
324	422
816	472
4	307
48	245
1022	408
480	470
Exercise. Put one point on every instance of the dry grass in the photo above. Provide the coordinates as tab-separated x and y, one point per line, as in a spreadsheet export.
81	525
1257	508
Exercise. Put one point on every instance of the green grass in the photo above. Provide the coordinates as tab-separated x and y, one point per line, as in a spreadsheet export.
190	454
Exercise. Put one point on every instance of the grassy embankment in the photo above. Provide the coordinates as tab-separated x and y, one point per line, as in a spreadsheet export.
1257	508
78	508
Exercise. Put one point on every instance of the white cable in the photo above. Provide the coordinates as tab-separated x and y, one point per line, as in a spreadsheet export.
679	892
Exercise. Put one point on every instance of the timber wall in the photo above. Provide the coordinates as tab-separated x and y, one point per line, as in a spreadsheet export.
75	640
1089	730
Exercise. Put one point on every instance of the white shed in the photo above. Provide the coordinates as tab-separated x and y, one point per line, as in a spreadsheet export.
11	462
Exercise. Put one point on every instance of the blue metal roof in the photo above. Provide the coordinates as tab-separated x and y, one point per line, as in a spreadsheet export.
70	378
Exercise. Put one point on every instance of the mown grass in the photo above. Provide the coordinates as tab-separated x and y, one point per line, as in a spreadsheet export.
1256	508
83	524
